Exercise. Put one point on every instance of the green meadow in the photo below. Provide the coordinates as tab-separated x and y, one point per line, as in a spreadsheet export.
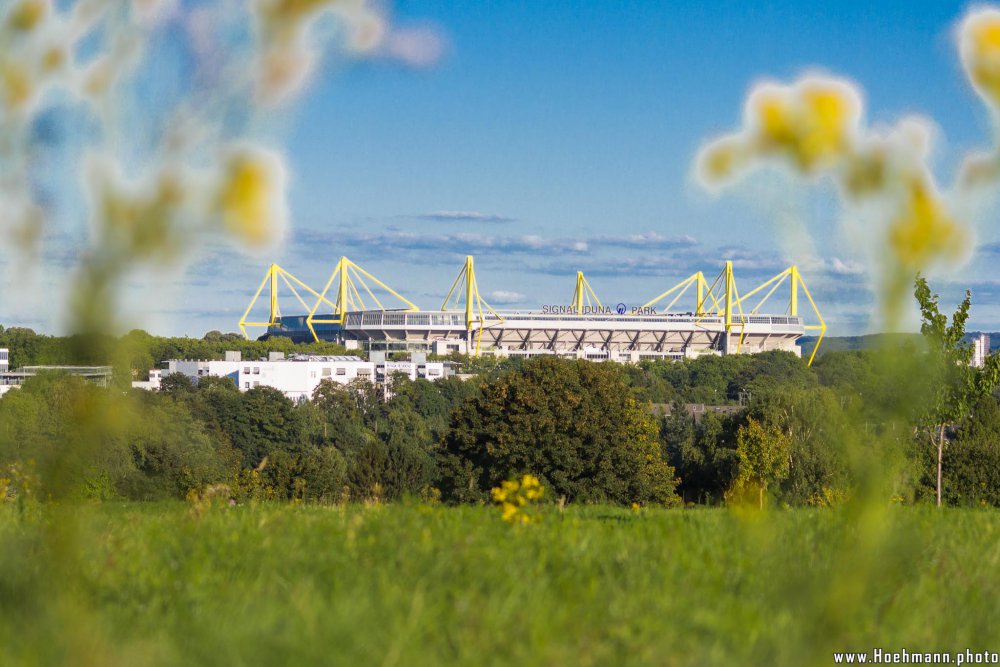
414	584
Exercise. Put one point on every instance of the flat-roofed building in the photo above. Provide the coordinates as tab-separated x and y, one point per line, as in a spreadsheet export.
298	376
980	350
718	320
98	375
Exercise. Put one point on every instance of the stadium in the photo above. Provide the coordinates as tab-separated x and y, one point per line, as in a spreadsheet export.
717	318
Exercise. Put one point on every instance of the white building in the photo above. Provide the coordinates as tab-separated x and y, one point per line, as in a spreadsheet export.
4	367
980	350
625	337
298	376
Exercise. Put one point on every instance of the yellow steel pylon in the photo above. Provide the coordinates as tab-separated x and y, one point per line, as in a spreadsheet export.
724	294
473	301
794	277
681	288
584	295
348	276
722	298
717	298
275	276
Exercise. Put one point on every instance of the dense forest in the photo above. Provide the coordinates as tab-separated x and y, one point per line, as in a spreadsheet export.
589	431
134	354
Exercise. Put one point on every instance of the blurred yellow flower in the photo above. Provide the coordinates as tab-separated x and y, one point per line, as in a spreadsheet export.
17	87
27	14
517	499
719	161
811	122
54	59
980	49
250	195
925	230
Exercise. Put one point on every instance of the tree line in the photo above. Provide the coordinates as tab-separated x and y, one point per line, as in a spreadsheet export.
135	353
802	437
585	429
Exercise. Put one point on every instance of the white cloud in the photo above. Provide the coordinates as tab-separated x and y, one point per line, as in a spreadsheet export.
646	240
432	246
838	266
505	297
420	46
462	216
649	240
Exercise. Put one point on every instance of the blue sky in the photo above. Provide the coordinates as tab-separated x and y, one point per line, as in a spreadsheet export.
556	136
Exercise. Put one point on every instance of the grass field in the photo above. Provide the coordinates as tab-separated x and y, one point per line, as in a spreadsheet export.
415	585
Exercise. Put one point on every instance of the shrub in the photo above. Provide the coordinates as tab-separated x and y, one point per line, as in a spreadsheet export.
573	423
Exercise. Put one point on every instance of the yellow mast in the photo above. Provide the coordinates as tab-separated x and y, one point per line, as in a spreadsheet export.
584	295
350	276
274	276
474	302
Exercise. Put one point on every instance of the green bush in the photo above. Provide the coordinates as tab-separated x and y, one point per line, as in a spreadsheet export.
572	423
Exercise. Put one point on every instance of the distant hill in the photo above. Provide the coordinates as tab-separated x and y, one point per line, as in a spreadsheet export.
875	341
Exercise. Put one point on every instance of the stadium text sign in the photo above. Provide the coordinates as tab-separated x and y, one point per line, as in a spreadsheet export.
618	309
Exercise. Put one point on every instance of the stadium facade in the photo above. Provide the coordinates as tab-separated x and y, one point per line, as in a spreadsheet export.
718	320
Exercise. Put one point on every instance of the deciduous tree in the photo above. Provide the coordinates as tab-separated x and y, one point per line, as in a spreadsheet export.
763	454
572	423
957	385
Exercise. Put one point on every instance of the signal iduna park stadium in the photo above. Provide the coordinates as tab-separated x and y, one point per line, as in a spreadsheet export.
691	318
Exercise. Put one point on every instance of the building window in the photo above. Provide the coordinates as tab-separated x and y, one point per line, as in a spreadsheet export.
434	371
246	370
256	370
246	385
326	372
312	374
256	384
341	371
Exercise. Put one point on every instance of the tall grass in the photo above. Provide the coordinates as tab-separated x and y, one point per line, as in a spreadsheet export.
418	585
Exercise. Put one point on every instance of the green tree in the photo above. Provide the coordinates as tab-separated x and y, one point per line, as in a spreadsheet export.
648	383
956	384
572	423
815	423
972	469
763	455
702	451
177	385
314	474
429	400
409	446
172	452
709	379
323	473
150	445
769	372
388	445
340	422
268	422
256	423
